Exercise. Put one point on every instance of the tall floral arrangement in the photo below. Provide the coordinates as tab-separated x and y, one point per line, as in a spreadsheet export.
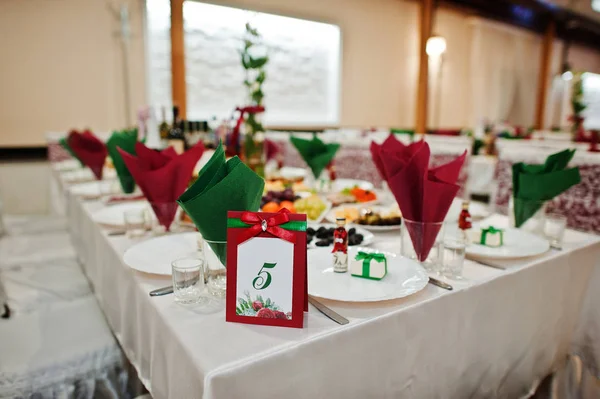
578	106
254	59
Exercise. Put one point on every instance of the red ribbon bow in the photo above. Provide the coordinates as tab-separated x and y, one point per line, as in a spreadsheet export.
270	225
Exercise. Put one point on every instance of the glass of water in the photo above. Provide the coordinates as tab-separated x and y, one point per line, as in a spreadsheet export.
555	227
136	222
454	257
188	281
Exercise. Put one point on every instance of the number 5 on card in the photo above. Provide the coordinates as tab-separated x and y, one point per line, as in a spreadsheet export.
266	268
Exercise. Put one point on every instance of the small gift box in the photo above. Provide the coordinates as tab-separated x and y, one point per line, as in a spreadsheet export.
371	265
490	236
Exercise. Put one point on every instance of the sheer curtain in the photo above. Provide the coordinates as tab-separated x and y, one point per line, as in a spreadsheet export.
504	68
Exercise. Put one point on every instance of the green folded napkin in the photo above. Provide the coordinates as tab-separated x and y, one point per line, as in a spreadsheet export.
315	153
222	186
534	184
125	140
64	144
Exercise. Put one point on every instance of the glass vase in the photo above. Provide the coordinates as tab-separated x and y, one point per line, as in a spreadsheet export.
253	154
215	255
423	242
537	209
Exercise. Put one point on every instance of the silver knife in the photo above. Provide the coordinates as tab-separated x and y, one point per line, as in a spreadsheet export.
162	291
440	284
327	311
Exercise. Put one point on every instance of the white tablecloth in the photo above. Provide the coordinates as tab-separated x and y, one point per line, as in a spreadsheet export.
493	336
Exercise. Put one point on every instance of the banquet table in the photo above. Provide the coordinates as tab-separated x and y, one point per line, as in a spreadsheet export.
353	160
581	203
497	333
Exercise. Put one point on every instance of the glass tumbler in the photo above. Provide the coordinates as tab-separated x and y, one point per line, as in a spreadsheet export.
188	281
136	222
454	257
215	255
554	230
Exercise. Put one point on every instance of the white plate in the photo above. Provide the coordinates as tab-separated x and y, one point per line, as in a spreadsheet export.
330	217
323	214
290	173
405	277
368	237
92	189
477	210
155	255
66	165
517	244
113	215
85	174
341	184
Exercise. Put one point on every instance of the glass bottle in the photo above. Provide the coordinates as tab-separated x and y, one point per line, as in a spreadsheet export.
464	221
176	138
164	127
340	247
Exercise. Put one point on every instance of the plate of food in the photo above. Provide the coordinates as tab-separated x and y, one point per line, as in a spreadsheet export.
509	243
354	195
373	218
404	277
279	185
342	184
321	235
312	205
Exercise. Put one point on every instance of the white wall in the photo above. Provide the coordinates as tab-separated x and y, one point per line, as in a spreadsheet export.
62	68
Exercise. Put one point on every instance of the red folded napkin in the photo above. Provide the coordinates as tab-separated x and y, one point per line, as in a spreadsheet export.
89	149
390	144
423	194
153	159
162	176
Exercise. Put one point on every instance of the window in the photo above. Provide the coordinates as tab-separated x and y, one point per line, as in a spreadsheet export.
596	5
303	73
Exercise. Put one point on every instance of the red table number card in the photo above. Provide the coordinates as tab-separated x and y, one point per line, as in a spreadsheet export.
266	268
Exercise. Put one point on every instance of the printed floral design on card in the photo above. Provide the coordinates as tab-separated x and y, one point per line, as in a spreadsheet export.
264	277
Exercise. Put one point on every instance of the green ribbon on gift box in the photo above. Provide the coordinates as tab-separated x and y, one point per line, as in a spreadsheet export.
293	225
367	257
491	230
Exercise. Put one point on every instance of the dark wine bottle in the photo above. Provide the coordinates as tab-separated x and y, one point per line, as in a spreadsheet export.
176	138
163	128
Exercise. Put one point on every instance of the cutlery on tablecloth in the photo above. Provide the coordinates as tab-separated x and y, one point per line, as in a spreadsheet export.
113	233
328	312
162	291
440	284
486	263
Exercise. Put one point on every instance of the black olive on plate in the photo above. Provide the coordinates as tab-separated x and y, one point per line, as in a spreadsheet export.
310	231
322	243
352	231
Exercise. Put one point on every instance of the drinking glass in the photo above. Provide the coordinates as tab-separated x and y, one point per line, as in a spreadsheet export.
135	222
423	242
554	230
454	257
188	282
215	253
